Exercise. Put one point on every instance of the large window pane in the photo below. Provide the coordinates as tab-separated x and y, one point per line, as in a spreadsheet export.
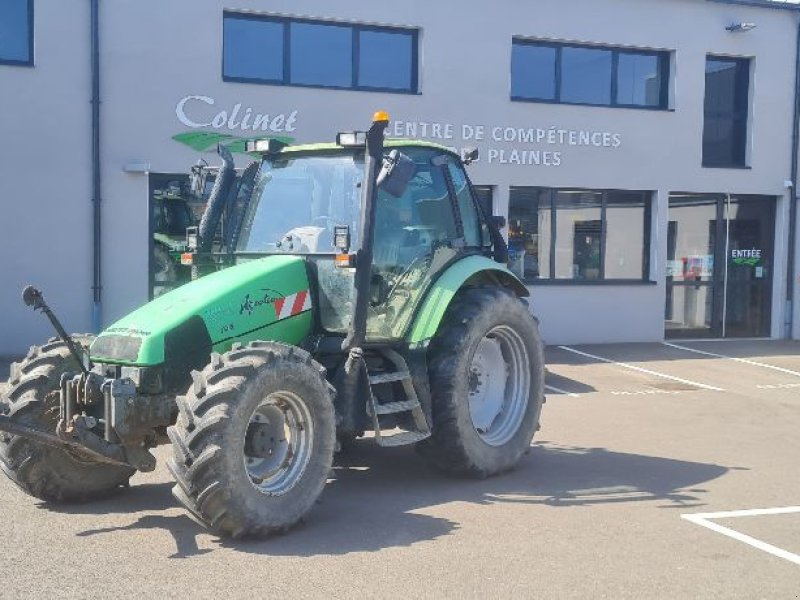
253	49
726	104
385	60
638	79
533	72
586	75
578	234
15	31
321	54
626	230
529	232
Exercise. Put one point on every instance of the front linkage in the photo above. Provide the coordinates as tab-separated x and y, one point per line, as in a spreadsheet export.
126	429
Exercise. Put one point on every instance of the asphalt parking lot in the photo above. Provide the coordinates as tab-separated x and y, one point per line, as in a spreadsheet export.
661	471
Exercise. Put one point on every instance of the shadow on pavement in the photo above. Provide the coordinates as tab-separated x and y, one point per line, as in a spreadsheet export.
377	499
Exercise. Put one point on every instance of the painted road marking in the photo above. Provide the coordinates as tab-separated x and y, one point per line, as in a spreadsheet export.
560	391
642	370
705	520
645	393
741	360
778	386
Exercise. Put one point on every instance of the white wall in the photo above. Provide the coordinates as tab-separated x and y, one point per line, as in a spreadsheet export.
45	178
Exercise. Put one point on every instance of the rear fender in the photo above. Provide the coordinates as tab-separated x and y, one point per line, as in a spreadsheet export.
469	271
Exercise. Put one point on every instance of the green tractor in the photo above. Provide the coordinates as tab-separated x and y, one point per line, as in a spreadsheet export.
360	288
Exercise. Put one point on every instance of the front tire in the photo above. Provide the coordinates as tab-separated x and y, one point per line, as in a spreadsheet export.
486	367
254	440
32	398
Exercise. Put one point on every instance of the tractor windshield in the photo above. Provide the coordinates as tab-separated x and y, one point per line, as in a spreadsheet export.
297	202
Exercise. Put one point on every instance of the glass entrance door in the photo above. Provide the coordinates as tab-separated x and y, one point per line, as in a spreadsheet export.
719	265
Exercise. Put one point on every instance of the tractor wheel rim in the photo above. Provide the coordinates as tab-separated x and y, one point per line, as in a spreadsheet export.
499	385
278	443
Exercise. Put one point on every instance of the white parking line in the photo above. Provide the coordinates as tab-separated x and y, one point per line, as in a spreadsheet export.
741	360
560	391
641	370
704	520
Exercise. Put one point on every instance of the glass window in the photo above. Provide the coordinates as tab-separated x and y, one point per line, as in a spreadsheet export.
575	74
533	72
578	234
529	232
385	60
253	49
627	230
639	79
413	235
584	235
298	201
16	32
485	194
321	54
726	105
285	51
466	206
586	75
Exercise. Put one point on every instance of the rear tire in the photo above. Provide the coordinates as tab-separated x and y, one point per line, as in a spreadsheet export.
33	399
486	331
254	440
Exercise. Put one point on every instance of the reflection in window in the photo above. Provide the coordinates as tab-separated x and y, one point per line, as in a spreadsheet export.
253	49
578	232
581	235
385	60
529	232
725	108
16	32
321	54
639	79
285	51
577	74
585	75
533	72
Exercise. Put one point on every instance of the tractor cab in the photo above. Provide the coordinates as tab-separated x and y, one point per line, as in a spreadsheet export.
307	201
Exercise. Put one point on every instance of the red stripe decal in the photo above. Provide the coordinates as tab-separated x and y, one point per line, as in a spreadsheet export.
278	306
299	300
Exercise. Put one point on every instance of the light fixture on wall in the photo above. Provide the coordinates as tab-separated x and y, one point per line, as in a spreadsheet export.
740	27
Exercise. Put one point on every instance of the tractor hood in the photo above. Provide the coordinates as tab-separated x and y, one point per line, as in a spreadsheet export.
264	299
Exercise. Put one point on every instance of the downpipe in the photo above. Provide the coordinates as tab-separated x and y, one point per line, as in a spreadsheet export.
97	199
793	195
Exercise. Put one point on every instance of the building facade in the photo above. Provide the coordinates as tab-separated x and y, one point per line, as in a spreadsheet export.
641	151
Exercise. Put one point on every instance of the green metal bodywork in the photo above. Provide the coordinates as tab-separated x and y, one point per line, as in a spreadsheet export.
237	304
446	287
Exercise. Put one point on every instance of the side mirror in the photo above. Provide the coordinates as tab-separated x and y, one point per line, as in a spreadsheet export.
499	221
397	171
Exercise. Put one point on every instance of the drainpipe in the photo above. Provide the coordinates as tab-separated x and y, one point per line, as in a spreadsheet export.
97	275
790	269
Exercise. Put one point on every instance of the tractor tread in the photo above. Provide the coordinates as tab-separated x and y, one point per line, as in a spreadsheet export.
47	473
201	462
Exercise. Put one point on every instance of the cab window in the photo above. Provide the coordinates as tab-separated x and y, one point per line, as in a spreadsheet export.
466	205
414	241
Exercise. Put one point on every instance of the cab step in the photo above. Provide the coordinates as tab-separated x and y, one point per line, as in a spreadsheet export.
411	404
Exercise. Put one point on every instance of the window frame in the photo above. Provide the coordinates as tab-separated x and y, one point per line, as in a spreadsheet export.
664	58
737	117
356	29
30	61
551	194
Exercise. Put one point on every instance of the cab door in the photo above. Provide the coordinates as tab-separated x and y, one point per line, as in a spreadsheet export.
416	237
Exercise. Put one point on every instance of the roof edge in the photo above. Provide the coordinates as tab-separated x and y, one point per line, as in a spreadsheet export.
761	4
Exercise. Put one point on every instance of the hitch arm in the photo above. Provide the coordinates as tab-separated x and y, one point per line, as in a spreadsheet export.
34	298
